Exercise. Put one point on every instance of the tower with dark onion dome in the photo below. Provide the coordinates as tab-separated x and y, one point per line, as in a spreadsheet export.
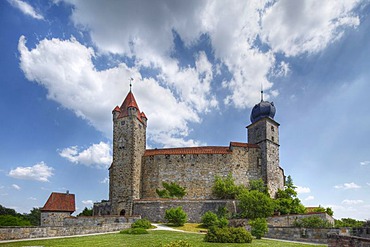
264	131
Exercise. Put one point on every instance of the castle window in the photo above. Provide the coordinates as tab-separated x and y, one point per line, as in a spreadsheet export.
272	138
272	128
122	123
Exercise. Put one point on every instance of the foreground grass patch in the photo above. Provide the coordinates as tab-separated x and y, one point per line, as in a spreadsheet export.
190	227
154	238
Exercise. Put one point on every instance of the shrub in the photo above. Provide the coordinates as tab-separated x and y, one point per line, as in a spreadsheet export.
222	222
259	227
255	204
178	243
226	188
209	219
176	216
171	190
312	222
228	235
142	223
135	231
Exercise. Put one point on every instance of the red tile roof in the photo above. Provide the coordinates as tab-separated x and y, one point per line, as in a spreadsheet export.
127	103
60	202
245	145
189	150
198	150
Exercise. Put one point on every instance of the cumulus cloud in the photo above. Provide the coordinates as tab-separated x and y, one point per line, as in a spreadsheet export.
352	202
87	202
365	163
347	186
303	190
38	172
26	9
99	155
308	26
309	198
17	187
66	70
105	181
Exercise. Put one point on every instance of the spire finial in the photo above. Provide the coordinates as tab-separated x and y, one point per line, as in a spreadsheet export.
131	79
261	92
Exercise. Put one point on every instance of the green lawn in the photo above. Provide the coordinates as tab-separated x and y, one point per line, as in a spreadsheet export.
154	238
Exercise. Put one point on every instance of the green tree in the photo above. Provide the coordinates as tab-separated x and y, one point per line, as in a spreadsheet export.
287	201
349	222
225	188
34	216
11	220
258	185
312	222
259	227
171	190
176	216
255	204
86	212
7	211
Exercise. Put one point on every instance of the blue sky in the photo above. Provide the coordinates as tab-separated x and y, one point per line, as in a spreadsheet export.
197	67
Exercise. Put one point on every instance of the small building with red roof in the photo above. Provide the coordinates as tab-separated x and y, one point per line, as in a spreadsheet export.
57	207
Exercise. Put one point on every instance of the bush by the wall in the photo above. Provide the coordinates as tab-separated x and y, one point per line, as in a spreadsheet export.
209	219
135	231
142	223
228	235
259	227
312	222
176	216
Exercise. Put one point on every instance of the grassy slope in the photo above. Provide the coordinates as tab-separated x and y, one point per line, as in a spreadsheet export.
155	238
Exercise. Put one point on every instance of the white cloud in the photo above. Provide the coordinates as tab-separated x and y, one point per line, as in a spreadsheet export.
303	190
365	163
309	198
368	184
99	155
352	202
39	172
32	198
296	27
66	70
347	186
26	9
105	181
87	202
17	187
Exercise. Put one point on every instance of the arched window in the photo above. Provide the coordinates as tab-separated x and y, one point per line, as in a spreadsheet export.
122	213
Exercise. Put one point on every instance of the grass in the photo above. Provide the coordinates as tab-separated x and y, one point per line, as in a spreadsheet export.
154	238
189	227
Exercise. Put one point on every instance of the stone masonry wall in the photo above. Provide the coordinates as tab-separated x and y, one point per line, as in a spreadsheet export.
73	226
155	210
197	172
288	220
53	218
301	234
335	240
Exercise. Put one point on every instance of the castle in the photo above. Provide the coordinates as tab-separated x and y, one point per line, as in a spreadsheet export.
136	172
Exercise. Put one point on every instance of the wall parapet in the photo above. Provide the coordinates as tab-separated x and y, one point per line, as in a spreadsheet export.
312	235
347	241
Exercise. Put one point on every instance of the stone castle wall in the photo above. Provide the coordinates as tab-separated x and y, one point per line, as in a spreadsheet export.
196	172
154	210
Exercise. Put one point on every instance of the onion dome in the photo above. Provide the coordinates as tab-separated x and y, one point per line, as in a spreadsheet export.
262	110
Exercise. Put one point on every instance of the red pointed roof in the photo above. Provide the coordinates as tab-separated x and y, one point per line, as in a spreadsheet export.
60	202
129	102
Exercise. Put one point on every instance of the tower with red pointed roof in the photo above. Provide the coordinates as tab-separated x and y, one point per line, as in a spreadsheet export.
129	144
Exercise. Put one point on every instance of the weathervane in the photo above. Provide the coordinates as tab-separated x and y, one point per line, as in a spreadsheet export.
261	92
131	79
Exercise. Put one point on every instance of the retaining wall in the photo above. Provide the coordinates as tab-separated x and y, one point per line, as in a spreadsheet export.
72	226
154	210
313	235
335	240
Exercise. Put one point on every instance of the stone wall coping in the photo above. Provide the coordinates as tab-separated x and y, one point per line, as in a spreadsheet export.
286	215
